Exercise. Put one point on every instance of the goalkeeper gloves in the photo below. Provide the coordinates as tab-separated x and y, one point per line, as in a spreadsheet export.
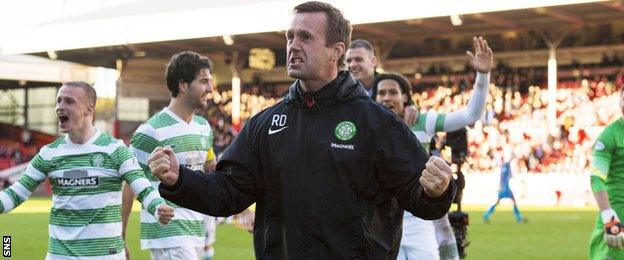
614	230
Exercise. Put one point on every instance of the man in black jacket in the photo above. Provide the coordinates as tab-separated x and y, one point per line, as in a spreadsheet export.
315	161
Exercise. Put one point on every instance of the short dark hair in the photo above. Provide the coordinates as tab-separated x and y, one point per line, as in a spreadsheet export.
184	66
87	88
338	28
404	85
361	43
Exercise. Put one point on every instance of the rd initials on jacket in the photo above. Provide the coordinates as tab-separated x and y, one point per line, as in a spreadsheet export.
278	123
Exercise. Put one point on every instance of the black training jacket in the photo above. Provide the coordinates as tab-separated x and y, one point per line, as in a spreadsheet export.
316	164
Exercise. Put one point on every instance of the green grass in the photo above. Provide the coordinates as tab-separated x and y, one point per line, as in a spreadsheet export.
29	234
551	233
547	235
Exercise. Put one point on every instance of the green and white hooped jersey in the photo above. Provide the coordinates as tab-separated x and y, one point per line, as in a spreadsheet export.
427	125
85	219
190	142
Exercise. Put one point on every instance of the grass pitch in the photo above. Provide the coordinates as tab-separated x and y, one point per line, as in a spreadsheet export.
551	233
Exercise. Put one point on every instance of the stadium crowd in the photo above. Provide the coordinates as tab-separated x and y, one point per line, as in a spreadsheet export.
516	115
13	153
253	100
520	121
94	176
516	112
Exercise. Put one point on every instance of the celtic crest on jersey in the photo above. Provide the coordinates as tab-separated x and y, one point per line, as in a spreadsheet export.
345	130
97	160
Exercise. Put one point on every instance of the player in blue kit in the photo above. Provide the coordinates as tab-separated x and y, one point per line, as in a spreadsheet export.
505	192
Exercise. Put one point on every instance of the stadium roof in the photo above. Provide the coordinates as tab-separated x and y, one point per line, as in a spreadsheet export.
17	71
157	29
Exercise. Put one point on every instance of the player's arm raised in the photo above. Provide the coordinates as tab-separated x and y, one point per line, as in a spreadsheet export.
482	61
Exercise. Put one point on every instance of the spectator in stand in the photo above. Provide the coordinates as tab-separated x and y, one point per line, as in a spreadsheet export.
583	104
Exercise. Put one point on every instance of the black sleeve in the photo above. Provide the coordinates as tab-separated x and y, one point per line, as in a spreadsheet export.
227	191
402	160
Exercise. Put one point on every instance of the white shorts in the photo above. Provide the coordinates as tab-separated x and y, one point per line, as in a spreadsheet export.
118	256
418	240
178	253
210	223
446	239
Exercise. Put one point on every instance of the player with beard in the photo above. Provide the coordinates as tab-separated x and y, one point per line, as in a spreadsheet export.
189	81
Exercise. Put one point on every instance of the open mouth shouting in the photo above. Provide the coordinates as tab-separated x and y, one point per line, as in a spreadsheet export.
63	121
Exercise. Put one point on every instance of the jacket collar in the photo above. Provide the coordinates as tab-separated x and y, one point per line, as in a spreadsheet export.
339	90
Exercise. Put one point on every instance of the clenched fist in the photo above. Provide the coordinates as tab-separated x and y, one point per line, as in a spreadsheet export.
164	165
164	213
436	177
